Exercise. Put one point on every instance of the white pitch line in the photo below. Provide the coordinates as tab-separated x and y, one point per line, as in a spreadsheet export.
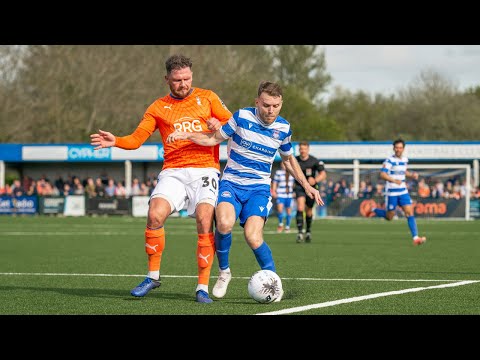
93	275
60	233
93	232
365	297
401	280
234	277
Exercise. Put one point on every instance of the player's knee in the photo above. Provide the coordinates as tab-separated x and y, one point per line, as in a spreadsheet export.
205	224
154	219
254	241
224	227
224	222
158	211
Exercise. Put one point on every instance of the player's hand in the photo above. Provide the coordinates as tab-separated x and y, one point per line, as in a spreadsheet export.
314	194
311	181
177	135
103	139
213	124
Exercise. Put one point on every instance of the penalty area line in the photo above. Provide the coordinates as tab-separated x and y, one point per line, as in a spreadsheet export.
364	297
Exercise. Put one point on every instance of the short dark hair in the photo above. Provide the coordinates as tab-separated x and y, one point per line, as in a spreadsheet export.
303	143
177	62
271	88
399	141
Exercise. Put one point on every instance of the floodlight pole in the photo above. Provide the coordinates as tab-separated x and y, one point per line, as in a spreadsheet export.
128	177
475	173
2	174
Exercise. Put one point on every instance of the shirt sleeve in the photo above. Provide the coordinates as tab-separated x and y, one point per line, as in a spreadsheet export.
320	166
143	131
219	109
386	166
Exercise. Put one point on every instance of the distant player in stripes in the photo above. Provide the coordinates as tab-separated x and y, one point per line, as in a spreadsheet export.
190	172
282	192
255	135
394	172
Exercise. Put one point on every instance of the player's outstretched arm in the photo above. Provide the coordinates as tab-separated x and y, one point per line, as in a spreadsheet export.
201	138
292	166
386	177
411	174
102	139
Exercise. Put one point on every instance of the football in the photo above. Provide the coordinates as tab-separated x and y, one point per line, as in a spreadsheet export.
265	286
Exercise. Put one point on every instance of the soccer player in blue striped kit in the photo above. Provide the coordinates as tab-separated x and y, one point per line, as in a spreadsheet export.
255	134
394	172
282	192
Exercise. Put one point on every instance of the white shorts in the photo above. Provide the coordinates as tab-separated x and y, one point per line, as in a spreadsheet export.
186	188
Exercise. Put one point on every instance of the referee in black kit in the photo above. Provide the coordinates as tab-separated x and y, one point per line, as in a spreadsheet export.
314	171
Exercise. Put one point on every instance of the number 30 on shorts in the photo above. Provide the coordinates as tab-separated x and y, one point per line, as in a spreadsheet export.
207	181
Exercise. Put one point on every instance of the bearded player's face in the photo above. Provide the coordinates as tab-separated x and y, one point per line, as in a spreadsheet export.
180	82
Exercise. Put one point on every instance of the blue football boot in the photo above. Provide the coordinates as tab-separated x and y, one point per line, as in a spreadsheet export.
145	286
202	297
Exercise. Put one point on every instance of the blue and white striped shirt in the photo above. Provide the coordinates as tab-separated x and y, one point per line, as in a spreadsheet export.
396	168
280	178
252	147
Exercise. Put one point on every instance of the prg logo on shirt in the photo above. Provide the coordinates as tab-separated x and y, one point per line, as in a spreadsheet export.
188	124
245	143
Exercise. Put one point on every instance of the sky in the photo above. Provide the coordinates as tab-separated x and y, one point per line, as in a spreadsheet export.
387	68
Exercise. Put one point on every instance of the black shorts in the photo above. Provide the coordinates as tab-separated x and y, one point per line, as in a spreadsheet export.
300	192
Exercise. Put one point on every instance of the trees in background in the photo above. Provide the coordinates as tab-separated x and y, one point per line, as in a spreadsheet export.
434	108
430	108
63	93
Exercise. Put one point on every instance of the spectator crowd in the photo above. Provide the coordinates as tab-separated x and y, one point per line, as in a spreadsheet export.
101	186
105	186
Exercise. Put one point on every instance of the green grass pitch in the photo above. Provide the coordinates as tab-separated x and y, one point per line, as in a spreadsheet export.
88	265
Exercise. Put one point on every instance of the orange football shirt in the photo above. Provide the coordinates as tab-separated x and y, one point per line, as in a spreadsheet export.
168	114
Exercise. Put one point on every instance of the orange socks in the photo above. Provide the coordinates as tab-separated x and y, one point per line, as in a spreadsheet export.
205	257
154	245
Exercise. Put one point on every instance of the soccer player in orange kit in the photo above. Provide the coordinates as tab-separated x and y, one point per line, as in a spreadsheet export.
190	171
